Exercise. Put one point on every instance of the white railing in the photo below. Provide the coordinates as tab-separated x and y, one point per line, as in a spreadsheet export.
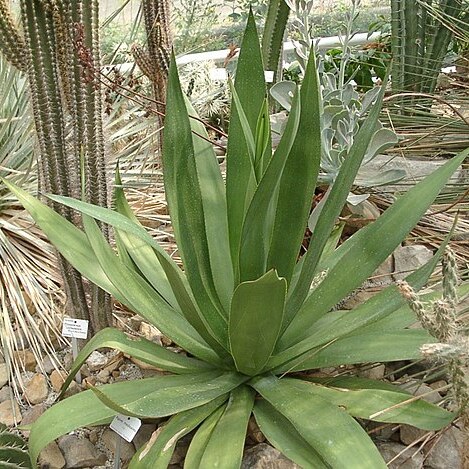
220	55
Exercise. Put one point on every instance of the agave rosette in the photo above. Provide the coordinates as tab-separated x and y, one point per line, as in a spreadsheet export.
243	308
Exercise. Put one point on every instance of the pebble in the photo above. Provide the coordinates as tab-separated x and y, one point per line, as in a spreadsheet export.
96	361
31	415
36	390
409	434
57	378
409	258
110	438
376	372
6	393
80	452
47	365
3	374
27	358
143	435
10	413
263	456
421	389
51	457
446	453
409	459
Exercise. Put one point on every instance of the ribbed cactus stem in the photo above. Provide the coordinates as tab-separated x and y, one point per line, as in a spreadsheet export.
274	31
12	44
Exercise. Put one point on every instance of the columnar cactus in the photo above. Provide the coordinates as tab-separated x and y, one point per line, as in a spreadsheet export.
154	62
13	450
59	50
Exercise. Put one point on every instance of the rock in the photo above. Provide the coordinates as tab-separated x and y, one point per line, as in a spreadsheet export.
421	389
74	388
10	413
27	358
409	459
57	378
254	432
3	374
36	390
5	394
96	361
47	365
51	457
409	258
376	372
103	376
32	414
409	434
263	456
447	451
110	439
68	361
143	435
80	452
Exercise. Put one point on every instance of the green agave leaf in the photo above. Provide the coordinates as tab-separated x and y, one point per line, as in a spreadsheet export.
146	256
263	141
371	311
368	248
283	435
81	410
298	179
332	208
156	454
158	267
201	438
226	444
140	348
251	90
143	299
259	221
255	320
212	189
380	405
338	439
363	348
172	394
67	238
183	192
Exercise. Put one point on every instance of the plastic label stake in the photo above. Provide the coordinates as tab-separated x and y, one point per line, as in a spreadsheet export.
126	427
75	329
269	76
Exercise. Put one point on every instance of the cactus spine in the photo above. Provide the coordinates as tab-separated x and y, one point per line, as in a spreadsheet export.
60	47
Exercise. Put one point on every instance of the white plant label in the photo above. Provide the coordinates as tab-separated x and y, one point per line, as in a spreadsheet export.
75	328
269	76
126	427
218	74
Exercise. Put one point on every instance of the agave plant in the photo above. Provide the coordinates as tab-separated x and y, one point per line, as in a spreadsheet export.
243	309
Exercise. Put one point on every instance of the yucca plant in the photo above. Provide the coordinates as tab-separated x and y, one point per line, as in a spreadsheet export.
243	308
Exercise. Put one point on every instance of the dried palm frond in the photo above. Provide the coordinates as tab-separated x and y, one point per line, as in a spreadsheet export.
30	296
